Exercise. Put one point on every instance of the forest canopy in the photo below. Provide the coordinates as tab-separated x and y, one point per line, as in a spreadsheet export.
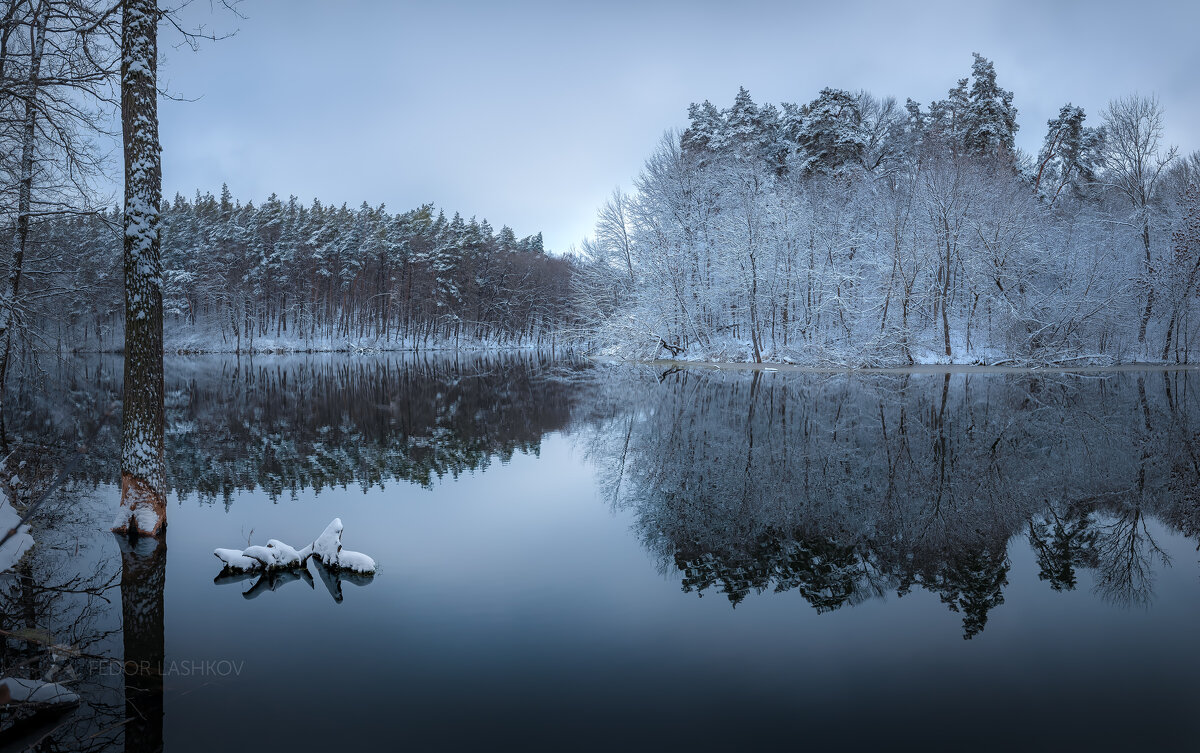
850	230
854	230
285	275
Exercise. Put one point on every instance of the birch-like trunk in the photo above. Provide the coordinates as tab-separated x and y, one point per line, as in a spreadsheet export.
143	473
29	94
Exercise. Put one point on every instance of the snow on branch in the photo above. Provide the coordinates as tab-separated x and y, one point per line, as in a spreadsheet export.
278	563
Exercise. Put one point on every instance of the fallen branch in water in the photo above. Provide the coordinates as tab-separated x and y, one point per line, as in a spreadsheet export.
276	555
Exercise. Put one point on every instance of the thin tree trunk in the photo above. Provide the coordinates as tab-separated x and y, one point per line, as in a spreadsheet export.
25	186
1149	280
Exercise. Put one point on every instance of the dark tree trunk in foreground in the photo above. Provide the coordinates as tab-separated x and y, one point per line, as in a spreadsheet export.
143	474
143	577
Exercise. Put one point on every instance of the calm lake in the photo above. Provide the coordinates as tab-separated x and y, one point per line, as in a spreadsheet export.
582	556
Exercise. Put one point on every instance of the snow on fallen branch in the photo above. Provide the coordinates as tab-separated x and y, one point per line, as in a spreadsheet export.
276	555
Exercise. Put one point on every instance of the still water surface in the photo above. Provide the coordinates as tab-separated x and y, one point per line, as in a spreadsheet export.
575	556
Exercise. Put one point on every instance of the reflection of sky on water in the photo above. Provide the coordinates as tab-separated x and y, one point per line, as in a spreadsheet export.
533	599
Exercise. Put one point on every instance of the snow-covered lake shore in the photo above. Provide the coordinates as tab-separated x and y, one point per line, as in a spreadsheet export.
921	368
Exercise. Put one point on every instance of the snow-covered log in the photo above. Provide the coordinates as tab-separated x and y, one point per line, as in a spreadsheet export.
276	555
328	549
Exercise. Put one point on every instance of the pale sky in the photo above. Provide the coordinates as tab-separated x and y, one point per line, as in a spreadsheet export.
530	113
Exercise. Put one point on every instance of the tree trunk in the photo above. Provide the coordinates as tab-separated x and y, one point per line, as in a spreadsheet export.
1149	280
25	187
143	472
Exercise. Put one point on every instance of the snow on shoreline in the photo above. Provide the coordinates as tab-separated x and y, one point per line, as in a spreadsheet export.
215	342
917	368
13	549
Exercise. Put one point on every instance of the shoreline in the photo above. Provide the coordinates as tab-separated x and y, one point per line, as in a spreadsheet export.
326	351
918	368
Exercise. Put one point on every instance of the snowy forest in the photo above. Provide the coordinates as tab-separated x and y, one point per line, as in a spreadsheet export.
289	276
849	231
859	231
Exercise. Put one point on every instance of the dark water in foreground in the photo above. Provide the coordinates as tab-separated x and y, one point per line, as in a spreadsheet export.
578	557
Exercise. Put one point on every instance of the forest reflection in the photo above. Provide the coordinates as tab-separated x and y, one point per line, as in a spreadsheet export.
843	488
282	424
839	488
833	488
278	425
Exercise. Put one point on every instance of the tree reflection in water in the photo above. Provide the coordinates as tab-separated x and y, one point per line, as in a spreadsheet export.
143	578
280	425
837	488
848	487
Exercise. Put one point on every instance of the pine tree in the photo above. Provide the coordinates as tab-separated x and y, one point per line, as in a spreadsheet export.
705	127
990	118
831	134
1071	154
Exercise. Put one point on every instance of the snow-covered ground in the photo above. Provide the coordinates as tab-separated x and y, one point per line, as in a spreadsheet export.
734	351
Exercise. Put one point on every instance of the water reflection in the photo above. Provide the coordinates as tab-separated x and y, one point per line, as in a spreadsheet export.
844	488
272	580
283	424
798	489
143	577
839	488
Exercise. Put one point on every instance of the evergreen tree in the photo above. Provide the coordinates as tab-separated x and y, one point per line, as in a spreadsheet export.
990	122
1071	154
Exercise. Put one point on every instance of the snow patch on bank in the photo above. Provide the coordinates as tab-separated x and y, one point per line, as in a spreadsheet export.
15	547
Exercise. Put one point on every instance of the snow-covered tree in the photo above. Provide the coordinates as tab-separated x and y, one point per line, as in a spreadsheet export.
1071	154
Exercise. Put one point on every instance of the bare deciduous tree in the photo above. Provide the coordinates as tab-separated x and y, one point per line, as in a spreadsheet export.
1134	162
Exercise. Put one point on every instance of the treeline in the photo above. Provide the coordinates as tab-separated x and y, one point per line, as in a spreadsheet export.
859	231
292	276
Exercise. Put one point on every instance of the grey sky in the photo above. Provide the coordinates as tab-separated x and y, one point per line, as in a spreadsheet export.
529	113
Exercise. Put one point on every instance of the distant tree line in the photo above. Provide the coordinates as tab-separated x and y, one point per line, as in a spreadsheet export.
288	275
858	231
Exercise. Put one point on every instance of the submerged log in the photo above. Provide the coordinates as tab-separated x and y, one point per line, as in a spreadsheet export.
278	556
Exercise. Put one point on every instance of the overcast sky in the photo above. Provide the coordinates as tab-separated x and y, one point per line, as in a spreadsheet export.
529	113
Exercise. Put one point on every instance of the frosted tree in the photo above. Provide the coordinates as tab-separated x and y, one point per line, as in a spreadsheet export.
831	133
56	66
990	119
1184	268
28	129
615	232
1134	162
1071	155
143	507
